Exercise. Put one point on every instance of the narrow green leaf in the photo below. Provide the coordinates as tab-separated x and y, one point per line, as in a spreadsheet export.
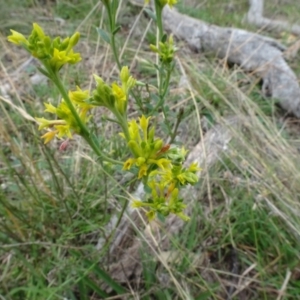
151	14
93	266
95	288
104	35
105	277
164	38
83	289
116	30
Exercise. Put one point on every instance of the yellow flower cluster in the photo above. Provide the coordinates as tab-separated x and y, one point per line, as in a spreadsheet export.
148	152
165	50
66	124
163	200
165	185
52	53
115	97
161	167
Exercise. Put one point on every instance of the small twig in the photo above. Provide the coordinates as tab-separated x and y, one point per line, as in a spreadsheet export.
284	285
241	286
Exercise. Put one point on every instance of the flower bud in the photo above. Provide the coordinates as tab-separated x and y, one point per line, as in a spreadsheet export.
39	31
158	144
151	134
135	148
65	44
144	122
74	39
124	74
190	177
120	98
140	161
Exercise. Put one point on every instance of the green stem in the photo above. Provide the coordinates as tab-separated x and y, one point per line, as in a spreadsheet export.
179	118
167	122
122	120
158	10
167	82
163	88
112	27
114	49
90	139
164	92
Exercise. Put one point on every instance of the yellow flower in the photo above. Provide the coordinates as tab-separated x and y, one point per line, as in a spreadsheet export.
133	129
194	167
128	164
144	123
64	130
73	57
162	163
83	113
143	171
151	215
136	204
49	136
78	96
120	98
66	124
44	123
62	57
50	108
60	131
59	59
17	38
